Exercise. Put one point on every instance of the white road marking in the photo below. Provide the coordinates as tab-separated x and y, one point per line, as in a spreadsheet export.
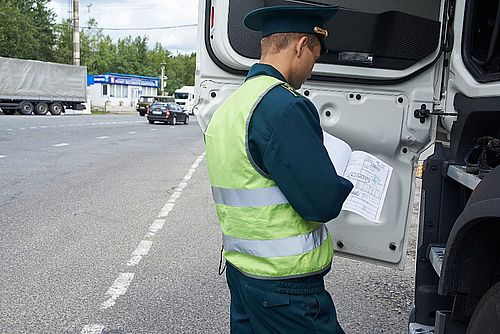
3	156
122	283
153	129
61	145
33	127
166	210
9	129
132	133
21	128
92	329
155	227
119	288
43	127
103	137
140	251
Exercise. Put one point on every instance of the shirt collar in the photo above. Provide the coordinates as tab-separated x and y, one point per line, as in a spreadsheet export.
265	69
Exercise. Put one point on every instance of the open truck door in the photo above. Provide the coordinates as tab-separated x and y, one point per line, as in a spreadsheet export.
398	74
384	62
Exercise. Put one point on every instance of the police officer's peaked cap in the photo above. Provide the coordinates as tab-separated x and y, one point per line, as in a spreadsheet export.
302	19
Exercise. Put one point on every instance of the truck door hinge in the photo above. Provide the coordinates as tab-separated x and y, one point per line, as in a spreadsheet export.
423	113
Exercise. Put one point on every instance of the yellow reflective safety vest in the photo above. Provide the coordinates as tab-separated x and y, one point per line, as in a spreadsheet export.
263	236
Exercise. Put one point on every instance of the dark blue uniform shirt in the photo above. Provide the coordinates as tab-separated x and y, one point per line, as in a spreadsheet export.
286	143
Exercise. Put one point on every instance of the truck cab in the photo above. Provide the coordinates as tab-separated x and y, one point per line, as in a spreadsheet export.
414	75
184	97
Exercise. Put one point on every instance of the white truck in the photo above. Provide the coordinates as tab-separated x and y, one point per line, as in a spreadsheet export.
184	97
29	86
400	76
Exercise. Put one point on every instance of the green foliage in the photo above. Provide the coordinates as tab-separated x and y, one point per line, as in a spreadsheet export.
28	31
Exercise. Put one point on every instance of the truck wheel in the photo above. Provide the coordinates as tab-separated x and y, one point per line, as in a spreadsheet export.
186	120
41	108
151	121
56	108
142	113
26	108
9	111
486	317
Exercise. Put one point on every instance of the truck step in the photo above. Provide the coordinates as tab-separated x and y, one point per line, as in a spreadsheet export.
415	328
459	174
436	256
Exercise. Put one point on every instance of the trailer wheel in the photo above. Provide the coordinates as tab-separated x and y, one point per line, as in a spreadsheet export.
486	317
9	111
56	108
41	108
26	108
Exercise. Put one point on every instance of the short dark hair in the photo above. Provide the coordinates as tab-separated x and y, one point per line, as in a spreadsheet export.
276	42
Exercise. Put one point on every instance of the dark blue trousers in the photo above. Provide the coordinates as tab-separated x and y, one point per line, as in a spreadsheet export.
291	306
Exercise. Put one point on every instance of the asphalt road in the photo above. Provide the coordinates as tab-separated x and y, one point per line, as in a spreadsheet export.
107	226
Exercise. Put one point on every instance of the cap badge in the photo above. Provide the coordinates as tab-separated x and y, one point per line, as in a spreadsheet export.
321	31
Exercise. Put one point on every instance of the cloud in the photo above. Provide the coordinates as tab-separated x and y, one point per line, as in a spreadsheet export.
131	14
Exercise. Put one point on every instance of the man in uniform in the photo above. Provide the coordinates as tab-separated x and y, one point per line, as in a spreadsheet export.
273	183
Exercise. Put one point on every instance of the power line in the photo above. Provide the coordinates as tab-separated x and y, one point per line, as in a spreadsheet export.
145	28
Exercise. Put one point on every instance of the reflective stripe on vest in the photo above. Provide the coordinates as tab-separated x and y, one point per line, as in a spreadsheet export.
290	246
248	197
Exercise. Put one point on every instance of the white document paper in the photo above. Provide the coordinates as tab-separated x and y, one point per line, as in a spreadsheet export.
369	175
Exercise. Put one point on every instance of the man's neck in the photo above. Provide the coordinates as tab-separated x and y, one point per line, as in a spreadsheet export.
276	61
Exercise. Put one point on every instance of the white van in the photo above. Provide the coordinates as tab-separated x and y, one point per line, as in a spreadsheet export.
398	76
184	97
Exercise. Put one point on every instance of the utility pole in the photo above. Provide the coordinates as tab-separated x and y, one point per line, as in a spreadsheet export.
162	79
76	33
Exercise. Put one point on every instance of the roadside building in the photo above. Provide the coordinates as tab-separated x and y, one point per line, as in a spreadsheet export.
119	92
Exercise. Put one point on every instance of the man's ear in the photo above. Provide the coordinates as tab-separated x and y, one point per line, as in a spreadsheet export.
301	45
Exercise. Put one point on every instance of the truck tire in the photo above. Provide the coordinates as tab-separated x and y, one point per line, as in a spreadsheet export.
142	113
486	316
26	108
41	108
56	108
9	111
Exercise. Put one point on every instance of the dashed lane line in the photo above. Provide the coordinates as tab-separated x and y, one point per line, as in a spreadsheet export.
61	145
103	137
92	329
73	125
119	288
122	283
3	156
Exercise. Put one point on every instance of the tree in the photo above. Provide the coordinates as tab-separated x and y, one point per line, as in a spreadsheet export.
26	29
63	49
180	71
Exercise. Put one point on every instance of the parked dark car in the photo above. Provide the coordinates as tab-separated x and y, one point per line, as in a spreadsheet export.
167	112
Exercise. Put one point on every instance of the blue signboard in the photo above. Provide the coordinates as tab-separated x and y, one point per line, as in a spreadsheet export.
124	79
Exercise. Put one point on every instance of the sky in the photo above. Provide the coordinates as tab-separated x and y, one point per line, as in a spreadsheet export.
129	14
